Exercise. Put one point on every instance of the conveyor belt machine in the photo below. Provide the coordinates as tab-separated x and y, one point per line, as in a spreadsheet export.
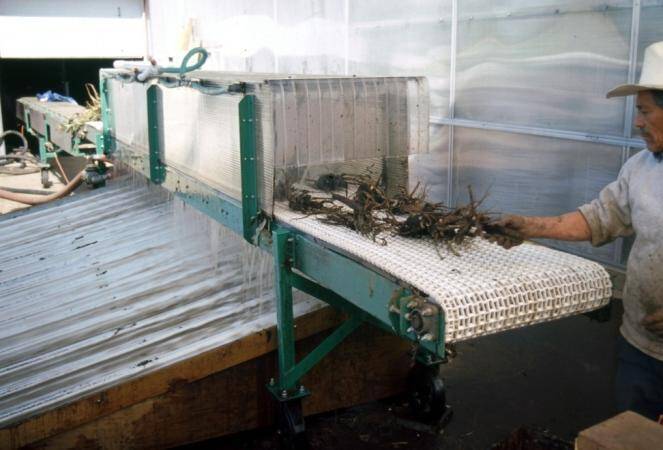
229	144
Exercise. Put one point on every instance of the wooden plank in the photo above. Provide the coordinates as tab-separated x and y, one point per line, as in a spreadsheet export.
370	364
158	382
626	431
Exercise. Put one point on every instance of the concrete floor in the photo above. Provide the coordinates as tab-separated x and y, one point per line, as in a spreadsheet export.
556	376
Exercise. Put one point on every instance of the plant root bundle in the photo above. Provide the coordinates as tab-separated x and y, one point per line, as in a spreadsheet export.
365	207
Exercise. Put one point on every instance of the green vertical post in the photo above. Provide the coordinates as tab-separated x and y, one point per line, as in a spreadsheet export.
43	151
284	315
157	168
249	166
104	143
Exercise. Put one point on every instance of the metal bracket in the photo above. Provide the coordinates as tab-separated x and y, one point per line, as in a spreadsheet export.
285	395
419	320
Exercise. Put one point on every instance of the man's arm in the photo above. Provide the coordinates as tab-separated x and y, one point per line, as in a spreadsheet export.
568	227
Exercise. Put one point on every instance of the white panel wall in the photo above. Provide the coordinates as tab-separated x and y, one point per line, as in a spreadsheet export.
72	29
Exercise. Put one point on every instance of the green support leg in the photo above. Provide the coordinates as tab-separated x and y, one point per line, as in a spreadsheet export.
291	372
42	150
284	313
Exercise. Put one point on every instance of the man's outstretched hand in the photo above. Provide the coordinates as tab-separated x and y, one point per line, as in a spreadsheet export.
515	222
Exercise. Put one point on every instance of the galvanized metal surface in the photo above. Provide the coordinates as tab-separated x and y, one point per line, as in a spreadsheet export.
104	287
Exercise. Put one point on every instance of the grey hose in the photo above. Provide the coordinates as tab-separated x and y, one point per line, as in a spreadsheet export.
39	199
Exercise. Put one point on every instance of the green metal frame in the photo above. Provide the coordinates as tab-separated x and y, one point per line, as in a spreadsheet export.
249	167
48	149
300	262
104	141
157	167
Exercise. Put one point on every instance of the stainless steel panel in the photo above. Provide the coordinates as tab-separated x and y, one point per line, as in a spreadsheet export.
61	138
406	46
533	175
543	63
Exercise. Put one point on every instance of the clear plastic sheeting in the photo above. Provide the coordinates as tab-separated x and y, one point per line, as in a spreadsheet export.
533	175
128	113
543	63
107	286
397	38
486	289
309	37
430	170
201	136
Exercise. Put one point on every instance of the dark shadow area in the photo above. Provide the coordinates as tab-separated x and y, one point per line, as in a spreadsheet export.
530	388
27	77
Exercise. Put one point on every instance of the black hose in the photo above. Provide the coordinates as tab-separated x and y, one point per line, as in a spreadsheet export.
15	133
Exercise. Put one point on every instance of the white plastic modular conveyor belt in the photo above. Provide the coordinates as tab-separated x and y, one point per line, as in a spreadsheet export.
484	290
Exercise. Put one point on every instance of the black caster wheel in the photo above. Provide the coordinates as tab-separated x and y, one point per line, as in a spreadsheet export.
292	430
44	179
427	394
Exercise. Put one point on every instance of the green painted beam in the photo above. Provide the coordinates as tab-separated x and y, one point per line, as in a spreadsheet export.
357	284
157	168
106	117
292	377
249	167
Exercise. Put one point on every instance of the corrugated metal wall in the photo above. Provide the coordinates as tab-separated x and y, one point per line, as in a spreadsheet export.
518	87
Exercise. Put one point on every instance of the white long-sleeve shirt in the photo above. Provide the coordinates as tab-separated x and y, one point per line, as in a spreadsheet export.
634	204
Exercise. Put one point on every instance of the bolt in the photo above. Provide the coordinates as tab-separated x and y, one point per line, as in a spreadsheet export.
284	394
407	316
410	330
272	381
394	309
302	389
427	337
412	304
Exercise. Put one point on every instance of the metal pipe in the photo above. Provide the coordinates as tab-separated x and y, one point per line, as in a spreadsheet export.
38	199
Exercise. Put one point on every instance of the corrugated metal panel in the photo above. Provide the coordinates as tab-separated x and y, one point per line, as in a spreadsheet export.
106	286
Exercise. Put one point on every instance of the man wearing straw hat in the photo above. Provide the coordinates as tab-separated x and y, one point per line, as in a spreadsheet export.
632	204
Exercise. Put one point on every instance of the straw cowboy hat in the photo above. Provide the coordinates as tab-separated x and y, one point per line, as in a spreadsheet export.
651	77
